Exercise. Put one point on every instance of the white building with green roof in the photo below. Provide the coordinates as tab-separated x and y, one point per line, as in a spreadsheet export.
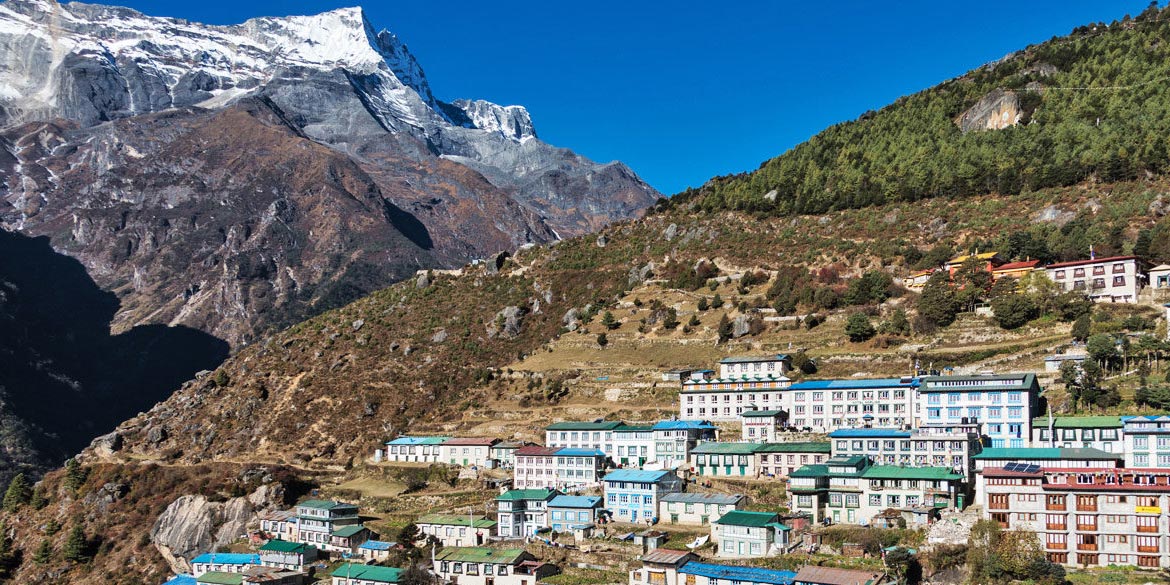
355	574
456	529
489	566
1094	432
740	534
317	520
521	512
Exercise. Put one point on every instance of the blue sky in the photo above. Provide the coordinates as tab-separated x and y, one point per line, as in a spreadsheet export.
685	91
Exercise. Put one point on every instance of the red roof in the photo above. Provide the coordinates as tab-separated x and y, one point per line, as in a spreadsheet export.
1091	261
1001	472
535	450
1017	265
471	441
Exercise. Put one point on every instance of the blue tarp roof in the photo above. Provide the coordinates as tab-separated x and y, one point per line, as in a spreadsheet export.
417	441
228	558
847	433
376	545
181	580
855	384
682	424
573	452
637	475
751	574
574	502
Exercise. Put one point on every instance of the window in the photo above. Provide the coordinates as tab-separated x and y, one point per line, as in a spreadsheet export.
1118	281
1098	283
1119	269
1098	270
1078	273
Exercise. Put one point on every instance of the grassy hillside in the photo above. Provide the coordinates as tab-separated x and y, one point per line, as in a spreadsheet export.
1113	129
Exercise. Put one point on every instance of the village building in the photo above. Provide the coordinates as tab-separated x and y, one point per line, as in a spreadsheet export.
674	439
632	495
223	563
749	383
1112	280
258	575
456	529
917	280
318	519
598	435
988	260
522	512
928	446
1005	404
1016	270
1053	363
778	460
568	513
725	460
1160	278
346	539
1094	432
375	550
468	452
1069	458
761	425
279	524
505	453
808	490
284	554
696	509
633	445
917	493
742	534
815	575
827	405
1084	516
413	450
671	567
557	467
489	566
1147	441
355	574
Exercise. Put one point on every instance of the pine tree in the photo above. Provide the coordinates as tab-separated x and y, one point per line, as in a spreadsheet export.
44	552
937	303
702	304
18	493
717	301
39	500
75	475
609	322
1082	327
858	328
77	546
602	339
724	328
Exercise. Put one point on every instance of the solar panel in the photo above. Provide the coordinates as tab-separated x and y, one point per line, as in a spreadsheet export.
1011	466
1030	468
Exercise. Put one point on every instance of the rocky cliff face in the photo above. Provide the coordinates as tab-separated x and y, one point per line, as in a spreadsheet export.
997	110
192	525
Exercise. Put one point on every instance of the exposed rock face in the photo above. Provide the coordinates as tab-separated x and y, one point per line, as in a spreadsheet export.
997	110
192	525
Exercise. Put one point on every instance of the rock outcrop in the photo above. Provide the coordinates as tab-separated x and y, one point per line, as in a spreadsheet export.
997	110
192	525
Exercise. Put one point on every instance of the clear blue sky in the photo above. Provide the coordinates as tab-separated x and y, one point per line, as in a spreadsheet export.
684	91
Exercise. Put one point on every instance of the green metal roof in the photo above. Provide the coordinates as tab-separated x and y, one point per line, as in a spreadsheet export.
584	426
746	518
811	471
895	472
323	505
797	447
454	520
973	383
846	460
348	531
529	494
761	413
634	428
285	546
220	578
480	554
727	448
1079	422
1044	453
368	573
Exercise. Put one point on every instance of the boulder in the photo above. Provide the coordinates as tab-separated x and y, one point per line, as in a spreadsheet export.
997	110
1160	206
107	444
440	336
572	319
740	326
670	232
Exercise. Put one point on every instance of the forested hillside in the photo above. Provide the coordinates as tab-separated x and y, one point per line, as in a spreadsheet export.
1090	106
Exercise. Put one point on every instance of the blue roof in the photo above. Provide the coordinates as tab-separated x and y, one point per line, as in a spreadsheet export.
846	433
635	475
417	441
183	579
574	502
573	452
855	384
376	545
228	558
728	572
1147	417
682	424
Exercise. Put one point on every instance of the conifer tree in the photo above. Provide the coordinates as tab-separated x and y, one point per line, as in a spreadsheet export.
77	546
18	493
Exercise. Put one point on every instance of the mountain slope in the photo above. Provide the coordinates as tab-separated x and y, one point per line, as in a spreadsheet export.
1089	106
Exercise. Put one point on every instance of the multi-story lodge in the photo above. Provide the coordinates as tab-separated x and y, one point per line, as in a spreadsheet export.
848	489
761	425
557	467
633	445
826	405
521	512
778	460
1005	404
1111	280
1147	441
755	460
674	439
1095	432
743	384
1085	516
567	512
672	567
742	534
632	495
317	520
456	529
489	566
697	509
414	449
927	446
597	435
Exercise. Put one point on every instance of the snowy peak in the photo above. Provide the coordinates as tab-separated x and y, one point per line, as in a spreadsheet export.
513	122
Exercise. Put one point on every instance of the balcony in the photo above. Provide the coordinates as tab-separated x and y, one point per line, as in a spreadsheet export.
1086	546
1086	527
1147	549
1153	529
997	505
1058	545
1051	507
1056	526
1087	507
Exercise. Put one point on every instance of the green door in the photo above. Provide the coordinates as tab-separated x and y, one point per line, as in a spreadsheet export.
674	518
726	470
